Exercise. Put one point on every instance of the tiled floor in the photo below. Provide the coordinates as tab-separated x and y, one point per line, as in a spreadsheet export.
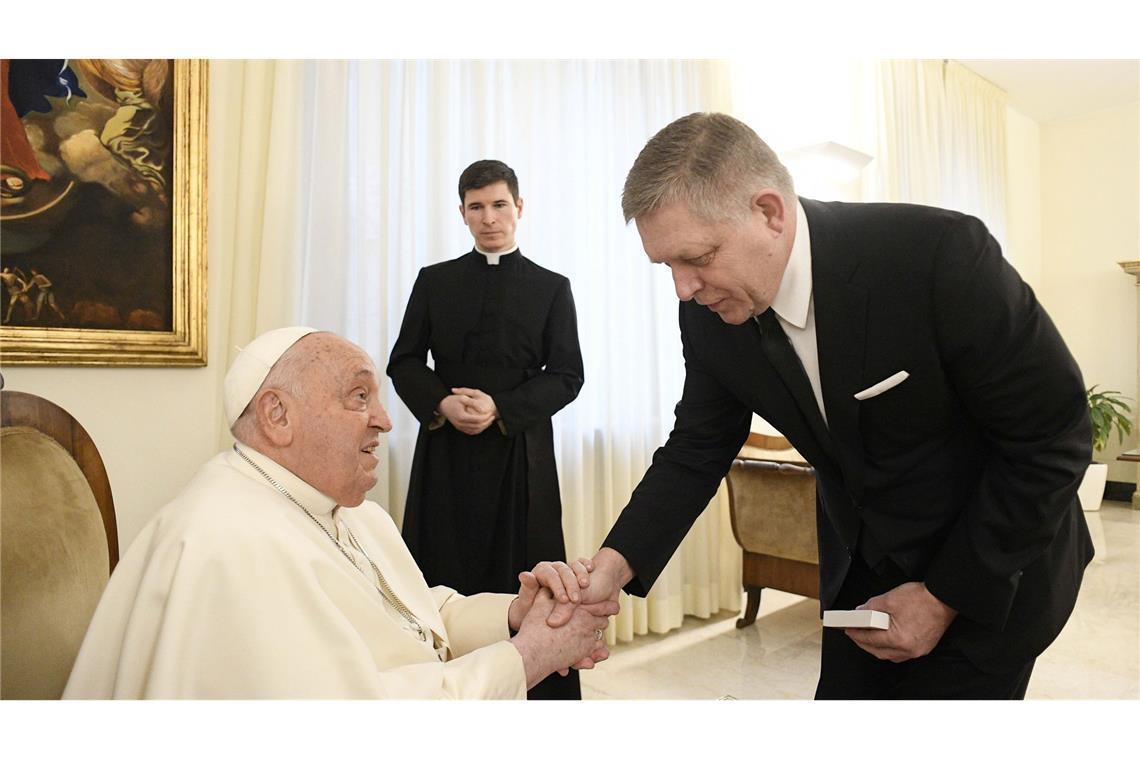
1097	655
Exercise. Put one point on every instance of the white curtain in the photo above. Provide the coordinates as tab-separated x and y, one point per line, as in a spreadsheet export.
941	131
356	165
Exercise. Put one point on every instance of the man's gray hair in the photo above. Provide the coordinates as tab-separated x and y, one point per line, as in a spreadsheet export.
710	161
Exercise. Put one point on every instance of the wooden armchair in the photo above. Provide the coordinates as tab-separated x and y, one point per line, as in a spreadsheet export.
771	492
58	543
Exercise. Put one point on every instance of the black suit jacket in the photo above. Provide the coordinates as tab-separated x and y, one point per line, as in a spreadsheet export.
965	474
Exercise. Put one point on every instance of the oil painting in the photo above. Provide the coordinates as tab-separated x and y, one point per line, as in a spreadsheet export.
102	211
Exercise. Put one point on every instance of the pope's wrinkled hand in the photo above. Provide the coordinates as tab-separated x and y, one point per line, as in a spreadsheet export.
545	650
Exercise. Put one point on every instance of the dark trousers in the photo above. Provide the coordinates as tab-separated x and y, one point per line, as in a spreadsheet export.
555	686
848	672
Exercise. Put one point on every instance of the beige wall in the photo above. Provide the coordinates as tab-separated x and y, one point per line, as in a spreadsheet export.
1090	220
1023	196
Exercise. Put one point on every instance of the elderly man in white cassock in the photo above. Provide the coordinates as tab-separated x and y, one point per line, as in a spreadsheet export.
269	575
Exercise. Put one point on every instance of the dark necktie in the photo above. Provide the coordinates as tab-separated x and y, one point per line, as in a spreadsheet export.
783	357
787	365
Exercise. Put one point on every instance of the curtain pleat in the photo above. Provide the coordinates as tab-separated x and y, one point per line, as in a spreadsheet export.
941	140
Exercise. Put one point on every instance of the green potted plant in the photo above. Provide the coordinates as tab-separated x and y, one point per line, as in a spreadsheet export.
1108	411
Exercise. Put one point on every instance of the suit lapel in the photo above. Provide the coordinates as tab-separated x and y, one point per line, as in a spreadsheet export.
783	361
762	388
840	330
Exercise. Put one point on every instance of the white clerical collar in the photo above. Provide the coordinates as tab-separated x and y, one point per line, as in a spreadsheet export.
493	258
794	296
314	501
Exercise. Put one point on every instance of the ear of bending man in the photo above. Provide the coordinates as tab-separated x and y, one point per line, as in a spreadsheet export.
270	576
908	362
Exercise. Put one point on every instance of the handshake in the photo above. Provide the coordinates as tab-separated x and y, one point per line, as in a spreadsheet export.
561	612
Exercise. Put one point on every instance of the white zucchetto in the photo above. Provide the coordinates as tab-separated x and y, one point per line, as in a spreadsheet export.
252	365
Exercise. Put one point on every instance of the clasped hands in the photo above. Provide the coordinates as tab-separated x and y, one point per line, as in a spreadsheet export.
560	615
469	410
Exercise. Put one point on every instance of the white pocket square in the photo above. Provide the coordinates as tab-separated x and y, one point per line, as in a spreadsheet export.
882	386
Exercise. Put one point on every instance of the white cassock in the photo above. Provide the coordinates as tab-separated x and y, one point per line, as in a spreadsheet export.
232	591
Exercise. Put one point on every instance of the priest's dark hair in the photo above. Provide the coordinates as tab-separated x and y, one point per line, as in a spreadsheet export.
487	172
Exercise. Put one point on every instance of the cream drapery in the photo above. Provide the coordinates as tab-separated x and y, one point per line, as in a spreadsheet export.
941	140
344	176
253	204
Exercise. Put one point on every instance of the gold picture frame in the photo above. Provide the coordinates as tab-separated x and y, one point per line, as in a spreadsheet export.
91	332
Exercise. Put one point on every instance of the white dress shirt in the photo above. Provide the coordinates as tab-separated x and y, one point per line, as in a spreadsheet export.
795	308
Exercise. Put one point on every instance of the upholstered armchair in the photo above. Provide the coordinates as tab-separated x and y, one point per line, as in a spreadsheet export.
771	492
58	543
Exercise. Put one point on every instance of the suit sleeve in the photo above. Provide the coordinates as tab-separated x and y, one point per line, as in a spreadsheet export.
416	384
1021	386
710	427
557	384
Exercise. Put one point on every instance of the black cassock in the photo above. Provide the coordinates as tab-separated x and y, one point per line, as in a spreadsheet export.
483	508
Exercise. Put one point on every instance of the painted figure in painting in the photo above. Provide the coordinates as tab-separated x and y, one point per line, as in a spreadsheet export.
44	294
17	285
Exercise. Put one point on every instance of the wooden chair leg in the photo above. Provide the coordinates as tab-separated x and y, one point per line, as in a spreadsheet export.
752	608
